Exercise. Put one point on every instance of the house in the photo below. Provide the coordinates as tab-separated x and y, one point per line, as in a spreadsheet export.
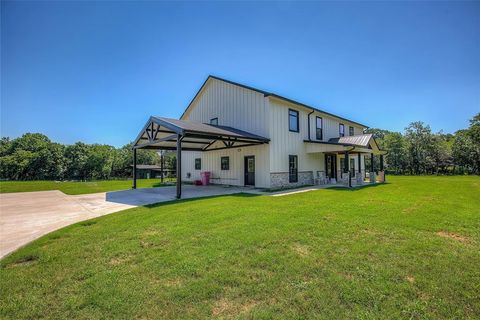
151	171
249	137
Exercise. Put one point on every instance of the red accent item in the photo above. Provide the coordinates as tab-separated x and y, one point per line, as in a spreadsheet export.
197	182
205	177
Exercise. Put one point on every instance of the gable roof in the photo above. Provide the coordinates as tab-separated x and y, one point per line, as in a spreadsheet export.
266	94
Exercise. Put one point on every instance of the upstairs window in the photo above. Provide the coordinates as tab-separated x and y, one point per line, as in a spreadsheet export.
341	130
225	163
351	131
198	164
293	124
319	128
214	122
292	168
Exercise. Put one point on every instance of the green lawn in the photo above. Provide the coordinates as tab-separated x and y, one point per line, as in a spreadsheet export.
74	187
406	249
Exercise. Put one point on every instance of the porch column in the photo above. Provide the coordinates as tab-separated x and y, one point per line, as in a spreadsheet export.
161	166
372	167
134	168
179	166
347	169
359	163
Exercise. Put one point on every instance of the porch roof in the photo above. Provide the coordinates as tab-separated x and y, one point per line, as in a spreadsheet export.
161	133
363	143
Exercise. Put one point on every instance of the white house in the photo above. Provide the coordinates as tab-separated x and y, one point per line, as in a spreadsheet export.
249	137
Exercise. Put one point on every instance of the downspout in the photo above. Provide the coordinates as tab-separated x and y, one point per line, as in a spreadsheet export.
309	124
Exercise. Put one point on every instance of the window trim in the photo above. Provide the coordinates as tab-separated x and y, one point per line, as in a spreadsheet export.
298	120
216	120
317	128
351	131
199	163
228	163
341	126
292	177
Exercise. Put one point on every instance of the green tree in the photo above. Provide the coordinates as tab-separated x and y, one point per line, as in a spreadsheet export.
396	159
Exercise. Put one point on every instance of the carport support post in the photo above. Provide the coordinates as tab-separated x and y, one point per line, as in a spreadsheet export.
179	166
134	168
381	167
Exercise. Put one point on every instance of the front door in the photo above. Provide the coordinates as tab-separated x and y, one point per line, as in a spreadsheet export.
331	165
250	171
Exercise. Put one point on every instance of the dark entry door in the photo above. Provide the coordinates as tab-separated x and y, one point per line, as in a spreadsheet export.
331	165
250	171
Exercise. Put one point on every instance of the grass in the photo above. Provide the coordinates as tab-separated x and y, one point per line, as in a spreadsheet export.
77	187
408	249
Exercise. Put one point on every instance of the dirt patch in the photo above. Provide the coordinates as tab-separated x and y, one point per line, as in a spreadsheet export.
410	279
120	260
23	261
451	235
176	282
230	309
301	250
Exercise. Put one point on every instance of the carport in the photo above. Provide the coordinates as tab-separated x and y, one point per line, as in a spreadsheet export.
172	134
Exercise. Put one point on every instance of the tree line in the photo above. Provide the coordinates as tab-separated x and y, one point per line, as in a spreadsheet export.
420	151
34	156
415	151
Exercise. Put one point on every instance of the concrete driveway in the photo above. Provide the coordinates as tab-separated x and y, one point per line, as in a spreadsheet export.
27	216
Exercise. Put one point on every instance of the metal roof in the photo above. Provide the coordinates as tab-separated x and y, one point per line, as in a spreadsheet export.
162	133
362	140
268	94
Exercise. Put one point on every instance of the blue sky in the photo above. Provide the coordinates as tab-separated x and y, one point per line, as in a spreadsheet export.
95	71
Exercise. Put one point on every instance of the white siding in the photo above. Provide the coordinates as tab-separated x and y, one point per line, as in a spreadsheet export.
284	142
239	108
234	106
234	176
331	126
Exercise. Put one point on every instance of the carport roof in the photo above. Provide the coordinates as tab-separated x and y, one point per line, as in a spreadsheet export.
161	133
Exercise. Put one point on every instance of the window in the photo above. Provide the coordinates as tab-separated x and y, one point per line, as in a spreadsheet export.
214	121
292	168
319	130
293	124
225	163
351	131
198	164
341	130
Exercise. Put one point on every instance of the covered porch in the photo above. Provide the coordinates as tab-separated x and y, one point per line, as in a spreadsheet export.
345	160
182	135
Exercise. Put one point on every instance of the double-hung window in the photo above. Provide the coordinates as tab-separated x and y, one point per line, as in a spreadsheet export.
198	164
293	123
341	130
292	168
319	128
351	131
225	163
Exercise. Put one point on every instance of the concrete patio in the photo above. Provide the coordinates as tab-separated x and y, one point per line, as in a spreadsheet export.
27	216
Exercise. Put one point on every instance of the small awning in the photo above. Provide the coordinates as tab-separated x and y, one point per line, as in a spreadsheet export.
363	143
161	134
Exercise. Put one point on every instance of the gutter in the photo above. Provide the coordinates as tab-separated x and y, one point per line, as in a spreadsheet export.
309	139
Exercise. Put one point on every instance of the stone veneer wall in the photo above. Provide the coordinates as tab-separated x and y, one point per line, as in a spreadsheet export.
280	179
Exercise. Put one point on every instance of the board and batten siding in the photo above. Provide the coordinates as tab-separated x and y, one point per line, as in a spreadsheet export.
239	108
233	176
284	142
234	106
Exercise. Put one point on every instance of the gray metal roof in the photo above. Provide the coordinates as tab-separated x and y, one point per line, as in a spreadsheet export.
161	133
198	127
362	140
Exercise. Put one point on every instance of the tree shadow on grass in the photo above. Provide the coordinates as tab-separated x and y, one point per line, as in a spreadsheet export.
238	195
359	187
